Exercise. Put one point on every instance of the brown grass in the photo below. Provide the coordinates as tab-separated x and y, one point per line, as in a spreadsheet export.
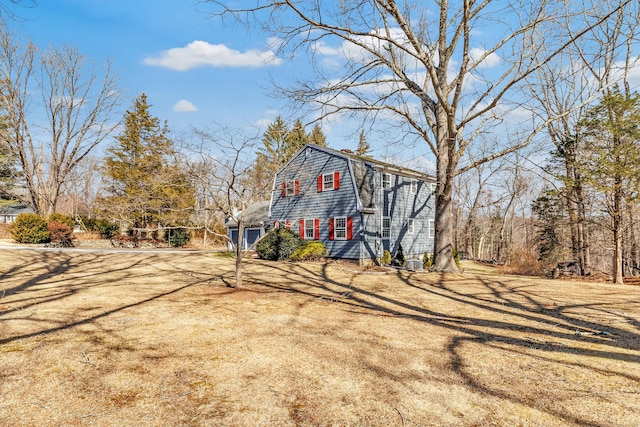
156	339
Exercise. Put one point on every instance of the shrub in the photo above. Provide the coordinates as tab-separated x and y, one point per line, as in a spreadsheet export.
456	257
427	260
62	219
278	245
309	251
61	234
399	258
30	228
386	258
104	228
177	237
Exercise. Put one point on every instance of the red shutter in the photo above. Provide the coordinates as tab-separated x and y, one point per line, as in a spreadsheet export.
331	228
287	225
296	184
302	229
316	229
284	189
336	180
349	228
320	183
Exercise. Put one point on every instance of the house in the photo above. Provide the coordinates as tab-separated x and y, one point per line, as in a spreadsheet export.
356	206
8	214
256	224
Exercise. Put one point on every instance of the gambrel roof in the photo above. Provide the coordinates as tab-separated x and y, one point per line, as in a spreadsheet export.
362	181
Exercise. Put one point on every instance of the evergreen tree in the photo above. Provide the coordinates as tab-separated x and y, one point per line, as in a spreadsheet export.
144	187
317	136
274	143
296	139
548	208
611	131
363	145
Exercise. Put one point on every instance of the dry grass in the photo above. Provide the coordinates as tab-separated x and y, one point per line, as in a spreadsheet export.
156	339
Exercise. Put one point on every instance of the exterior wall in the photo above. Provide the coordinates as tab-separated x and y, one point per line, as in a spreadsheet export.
400	204
250	236
311	204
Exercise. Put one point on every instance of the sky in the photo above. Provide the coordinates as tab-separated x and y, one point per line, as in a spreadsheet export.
193	69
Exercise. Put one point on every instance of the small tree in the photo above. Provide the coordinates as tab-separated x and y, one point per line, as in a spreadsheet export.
220	164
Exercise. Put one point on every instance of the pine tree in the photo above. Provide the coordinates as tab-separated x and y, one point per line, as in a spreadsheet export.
363	145
611	132
144	187
274	143
296	139
317	136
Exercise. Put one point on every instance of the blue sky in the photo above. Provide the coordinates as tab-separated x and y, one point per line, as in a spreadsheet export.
193	69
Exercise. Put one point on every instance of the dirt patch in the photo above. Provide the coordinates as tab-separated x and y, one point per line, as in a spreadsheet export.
158	339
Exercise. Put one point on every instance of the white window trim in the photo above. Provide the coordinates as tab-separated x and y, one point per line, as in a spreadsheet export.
388	228
324	182
388	176
307	223
434	187
413	186
336	228
432	228
411	225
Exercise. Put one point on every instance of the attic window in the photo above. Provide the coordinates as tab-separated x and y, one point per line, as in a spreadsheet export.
329	181
414	186
290	188
386	180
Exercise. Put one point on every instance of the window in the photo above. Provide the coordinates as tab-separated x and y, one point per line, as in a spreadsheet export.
414	186
310	229
329	181
290	188
386	180
434	187
432	228
341	228
386	227
410	225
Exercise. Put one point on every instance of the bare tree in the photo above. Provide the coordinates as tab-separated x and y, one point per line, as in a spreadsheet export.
430	66
221	164
57	110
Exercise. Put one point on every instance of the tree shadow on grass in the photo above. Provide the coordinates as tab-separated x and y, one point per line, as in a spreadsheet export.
60	276
513	318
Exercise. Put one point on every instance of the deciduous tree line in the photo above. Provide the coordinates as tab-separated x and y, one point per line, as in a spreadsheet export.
427	72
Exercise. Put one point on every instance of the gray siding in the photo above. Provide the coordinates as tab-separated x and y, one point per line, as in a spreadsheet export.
400	204
361	196
312	204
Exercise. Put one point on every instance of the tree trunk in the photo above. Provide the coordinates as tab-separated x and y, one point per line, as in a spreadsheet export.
617	232
239	254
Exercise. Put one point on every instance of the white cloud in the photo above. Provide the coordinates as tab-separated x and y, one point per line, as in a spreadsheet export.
490	61
184	106
200	53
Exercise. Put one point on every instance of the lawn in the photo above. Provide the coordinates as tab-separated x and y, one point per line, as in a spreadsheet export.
158	339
